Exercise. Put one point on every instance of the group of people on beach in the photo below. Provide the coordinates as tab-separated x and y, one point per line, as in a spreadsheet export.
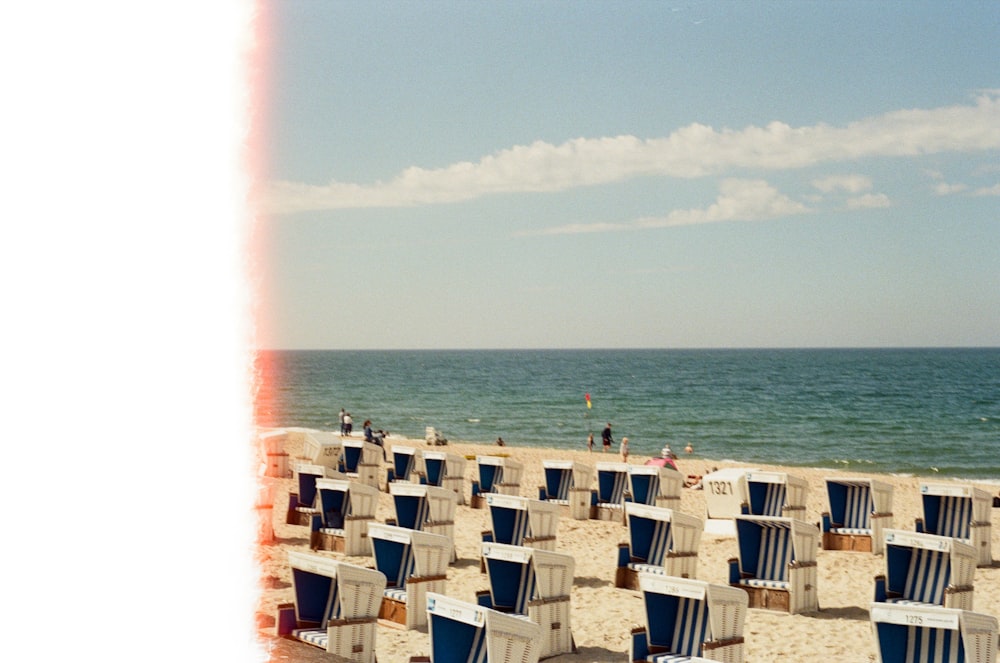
371	435
607	440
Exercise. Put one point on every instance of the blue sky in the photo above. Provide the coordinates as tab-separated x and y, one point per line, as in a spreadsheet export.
642	174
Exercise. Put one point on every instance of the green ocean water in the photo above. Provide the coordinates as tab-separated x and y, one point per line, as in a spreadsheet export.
909	411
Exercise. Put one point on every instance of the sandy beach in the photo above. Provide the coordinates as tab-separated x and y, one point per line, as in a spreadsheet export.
601	614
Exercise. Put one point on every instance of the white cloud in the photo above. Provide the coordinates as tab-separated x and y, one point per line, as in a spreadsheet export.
869	201
945	189
988	191
696	150
848	183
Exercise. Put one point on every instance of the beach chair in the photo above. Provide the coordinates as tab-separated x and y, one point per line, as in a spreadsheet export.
689	620
534	583
323	448
521	521
612	486
568	484
335	606
777	563
923	634
656	485
775	494
271	449
414	563
926	569
725	493
302	504
662	541
497	474
445	470
405	462
959	511
860	510
345	509
462	632
424	508
362	461
434	437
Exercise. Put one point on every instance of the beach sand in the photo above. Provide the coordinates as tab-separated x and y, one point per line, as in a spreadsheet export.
602	615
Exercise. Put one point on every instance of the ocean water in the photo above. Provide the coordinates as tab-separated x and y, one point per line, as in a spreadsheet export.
908	411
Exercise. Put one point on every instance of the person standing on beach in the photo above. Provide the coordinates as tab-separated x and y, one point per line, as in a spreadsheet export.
606	437
342	421
624	449
348	424
590	442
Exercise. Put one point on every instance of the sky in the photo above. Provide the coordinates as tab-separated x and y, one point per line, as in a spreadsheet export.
641	174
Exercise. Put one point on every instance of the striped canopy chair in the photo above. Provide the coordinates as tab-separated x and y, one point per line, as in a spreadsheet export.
535	583
689	620
860	509
345	509
661	541
520	521
924	634
497	474
568	484
405	461
655	485
424	508
612	486
414	563
302	504
462	632
962	512
445	470
775	494
362	461
335	607
323	448
926	569
776	563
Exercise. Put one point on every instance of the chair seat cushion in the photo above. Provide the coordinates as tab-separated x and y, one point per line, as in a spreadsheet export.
648	568
395	593
669	658
306	509
769	584
851	530
332	531
313	636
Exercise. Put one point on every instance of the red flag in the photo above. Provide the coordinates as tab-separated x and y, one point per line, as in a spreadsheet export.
587	396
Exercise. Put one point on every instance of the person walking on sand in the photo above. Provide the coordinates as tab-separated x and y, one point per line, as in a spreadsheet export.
606	439
590	442
342	421
624	449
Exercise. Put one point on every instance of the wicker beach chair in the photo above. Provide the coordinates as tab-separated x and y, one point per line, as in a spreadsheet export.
345	509
775	494
497	474
405	461
424	508
568	484
534	583
462	632
689	620
860	510
655	485
302	505
335	607
444	470
923	634
323	448
959	511
777	563
926	569
521	521
362	461
612	486
414	563
661	541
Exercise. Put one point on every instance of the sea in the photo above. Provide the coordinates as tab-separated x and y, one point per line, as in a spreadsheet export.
921	412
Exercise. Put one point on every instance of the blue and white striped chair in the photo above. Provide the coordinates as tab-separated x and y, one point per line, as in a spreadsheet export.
959	511
776	563
661	541
520	521
424	508
689	620
923	634
414	563
462	632
612	486
926	569
444	470
655	485
568	484
335	608
362	461
404	463
534	583
860	510
302	505
345	509
497	474
775	494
